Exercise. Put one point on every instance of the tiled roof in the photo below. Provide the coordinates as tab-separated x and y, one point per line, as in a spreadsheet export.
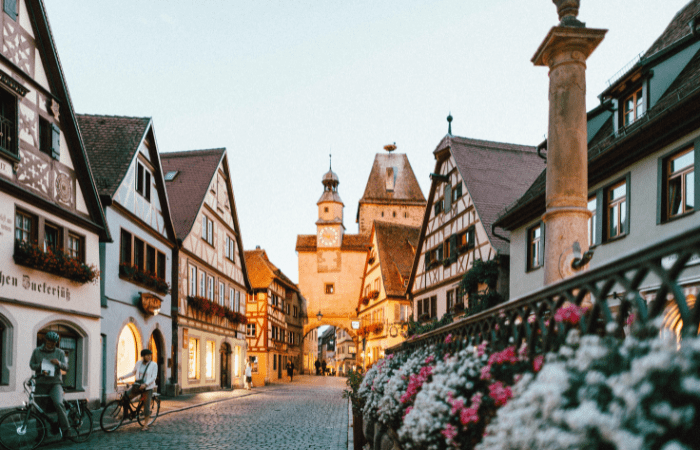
351	242
677	29
495	174
262	272
187	191
396	247
110	142
406	189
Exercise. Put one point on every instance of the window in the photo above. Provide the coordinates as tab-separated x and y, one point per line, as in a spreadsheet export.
403	312
438	206
125	247
222	293
680	183
325	209
25	227
53	239
211	360
446	249
405	215
210	288
127	351
138	253
465	240
450	300
143	181
71	344
202	285
193	281
5	352
44	136
230	249
376	284
330	288
160	268
8	122
253	364
250	330
238	301
616	210
457	192
535	255
288	309
193	361
274	362
75	247
295	311
433	307
592	207
150	259
170	176
448	197
427	306
634	107
207	230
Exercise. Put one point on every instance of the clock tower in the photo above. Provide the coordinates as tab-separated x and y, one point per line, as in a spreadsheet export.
329	226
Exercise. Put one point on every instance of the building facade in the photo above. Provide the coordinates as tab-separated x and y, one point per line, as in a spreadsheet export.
210	280
383	306
274	320
136	267
473	180
643	144
346	352
310	347
51	220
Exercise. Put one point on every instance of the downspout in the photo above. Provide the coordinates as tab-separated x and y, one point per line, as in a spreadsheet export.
493	231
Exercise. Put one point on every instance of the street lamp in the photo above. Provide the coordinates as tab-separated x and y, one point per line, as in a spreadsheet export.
319	316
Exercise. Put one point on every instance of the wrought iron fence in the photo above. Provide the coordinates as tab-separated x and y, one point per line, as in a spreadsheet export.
658	268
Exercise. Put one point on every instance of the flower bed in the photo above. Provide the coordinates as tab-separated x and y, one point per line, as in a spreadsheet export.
54	262
148	279
208	307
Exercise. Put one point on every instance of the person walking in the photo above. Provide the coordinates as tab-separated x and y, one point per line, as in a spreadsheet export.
47	362
248	376
318	367
323	367
147	372
290	370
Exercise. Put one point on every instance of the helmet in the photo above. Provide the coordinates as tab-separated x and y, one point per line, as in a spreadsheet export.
52	336
145	352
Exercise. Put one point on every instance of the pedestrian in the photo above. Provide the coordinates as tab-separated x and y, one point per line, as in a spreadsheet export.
323	367
47	362
290	370
318	367
248	375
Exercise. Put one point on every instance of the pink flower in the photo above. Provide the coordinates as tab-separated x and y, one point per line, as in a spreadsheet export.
469	415
449	432
570	314
501	394
481	349
430	359
485	373
448	339
408	410
531	319
537	363
630	319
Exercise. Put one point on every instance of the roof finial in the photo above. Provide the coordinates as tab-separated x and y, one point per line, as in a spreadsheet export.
330	161
449	124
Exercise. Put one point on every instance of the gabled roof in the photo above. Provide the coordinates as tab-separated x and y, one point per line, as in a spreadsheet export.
196	169
677	29
111	142
495	174
263	273
46	47
350	242
406	189
396	249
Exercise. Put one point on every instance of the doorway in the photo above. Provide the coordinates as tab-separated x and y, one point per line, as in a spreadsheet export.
155	345
225	365
279	366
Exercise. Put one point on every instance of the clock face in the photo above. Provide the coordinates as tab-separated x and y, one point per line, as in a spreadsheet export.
328	237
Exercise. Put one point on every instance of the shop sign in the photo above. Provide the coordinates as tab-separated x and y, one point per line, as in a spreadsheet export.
150	303
11	282
355	324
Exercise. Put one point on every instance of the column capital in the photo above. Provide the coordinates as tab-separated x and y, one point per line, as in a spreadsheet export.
580	41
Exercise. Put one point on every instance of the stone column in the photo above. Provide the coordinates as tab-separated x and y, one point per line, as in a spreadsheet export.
564	51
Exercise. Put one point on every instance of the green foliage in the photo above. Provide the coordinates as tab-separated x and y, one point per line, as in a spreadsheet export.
416	328
482	272
354	381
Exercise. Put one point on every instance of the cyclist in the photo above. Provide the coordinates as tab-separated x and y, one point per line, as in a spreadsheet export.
147	372
47	362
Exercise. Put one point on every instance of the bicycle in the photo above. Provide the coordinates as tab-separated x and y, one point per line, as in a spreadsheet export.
118	410
25	428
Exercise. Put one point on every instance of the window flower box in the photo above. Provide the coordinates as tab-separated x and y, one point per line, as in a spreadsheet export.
446	262
374	295
211	308
147	279
54	262
377	328
365	300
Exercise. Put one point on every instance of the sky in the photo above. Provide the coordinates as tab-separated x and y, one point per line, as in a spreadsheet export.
282	84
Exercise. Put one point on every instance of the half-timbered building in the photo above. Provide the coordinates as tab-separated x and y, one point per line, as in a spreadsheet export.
274	329
136	267
472	181
210	280
383	306
51	220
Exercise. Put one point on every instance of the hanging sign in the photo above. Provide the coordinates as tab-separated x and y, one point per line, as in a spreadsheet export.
150	303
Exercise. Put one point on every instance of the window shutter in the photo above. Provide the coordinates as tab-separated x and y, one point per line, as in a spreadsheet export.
55	139
661	188
448	197
600	216
470	236
433	306
453	248
458	190
542	239
628	201
397	312
10	8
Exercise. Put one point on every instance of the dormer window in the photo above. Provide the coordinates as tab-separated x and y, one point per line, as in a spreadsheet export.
633	107
170	176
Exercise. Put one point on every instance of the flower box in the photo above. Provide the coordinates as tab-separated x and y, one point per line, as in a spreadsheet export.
446	262
147	279
210	308
365	300
374	295
54	262
377	328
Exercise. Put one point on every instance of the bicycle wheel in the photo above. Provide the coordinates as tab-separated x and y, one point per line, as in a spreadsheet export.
81	423
21	430
112	416
155	408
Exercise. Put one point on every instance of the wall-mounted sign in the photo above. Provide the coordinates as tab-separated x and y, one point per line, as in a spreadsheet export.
355	324
150	303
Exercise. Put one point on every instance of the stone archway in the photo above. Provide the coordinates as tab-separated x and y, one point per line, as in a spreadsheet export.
344	323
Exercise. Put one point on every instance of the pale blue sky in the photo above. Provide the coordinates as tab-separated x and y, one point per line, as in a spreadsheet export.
279	83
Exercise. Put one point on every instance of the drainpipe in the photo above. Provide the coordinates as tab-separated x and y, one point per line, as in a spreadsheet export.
565	50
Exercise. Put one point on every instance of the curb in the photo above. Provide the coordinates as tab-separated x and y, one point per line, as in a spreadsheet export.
351	439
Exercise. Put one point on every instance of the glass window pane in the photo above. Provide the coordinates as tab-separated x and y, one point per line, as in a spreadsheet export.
683	161
618	192
623	217
675	194
613	218
690	191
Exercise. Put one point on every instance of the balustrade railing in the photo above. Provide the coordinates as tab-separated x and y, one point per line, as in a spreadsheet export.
647	283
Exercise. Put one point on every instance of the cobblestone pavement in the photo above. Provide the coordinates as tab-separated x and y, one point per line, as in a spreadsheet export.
306	414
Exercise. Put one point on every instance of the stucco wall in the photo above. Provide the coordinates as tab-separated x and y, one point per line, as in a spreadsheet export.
371	212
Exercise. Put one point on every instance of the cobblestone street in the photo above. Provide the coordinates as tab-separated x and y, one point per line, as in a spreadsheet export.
307	414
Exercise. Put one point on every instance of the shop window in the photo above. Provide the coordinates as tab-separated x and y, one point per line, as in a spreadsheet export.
71	344
25	227
253	364
535	250
193	361
127	351
211	360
